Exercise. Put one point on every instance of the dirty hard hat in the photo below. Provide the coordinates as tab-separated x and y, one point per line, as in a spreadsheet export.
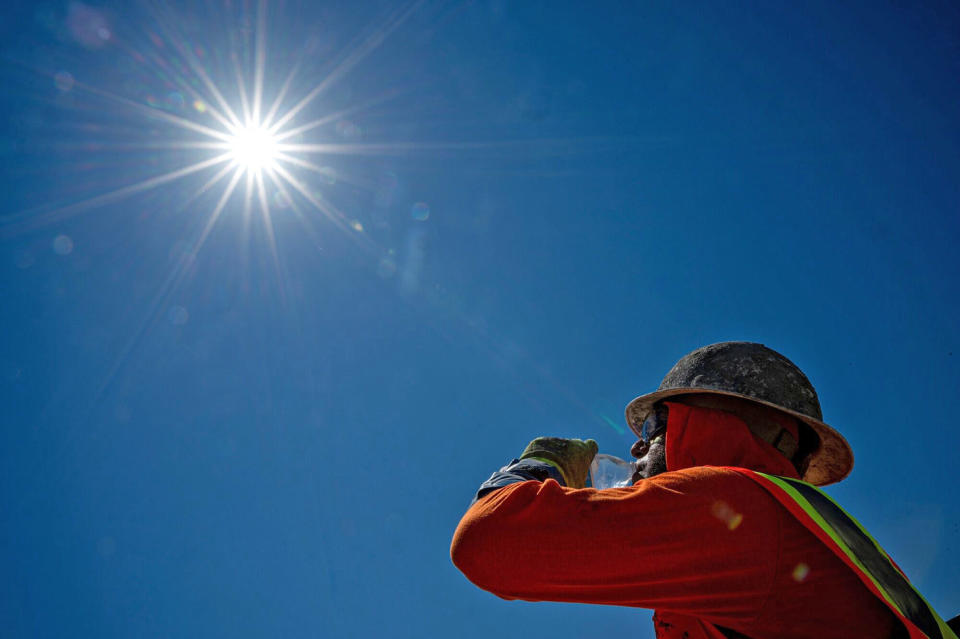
759	374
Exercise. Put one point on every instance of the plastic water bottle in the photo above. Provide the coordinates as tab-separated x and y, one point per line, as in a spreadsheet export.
607	471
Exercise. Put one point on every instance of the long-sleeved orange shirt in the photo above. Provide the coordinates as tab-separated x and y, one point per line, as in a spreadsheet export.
702	545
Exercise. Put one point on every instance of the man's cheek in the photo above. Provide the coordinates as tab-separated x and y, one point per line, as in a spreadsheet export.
656	461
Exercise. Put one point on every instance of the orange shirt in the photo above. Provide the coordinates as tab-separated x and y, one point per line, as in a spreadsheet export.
700	544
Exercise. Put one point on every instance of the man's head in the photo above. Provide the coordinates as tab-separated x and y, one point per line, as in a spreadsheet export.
759	387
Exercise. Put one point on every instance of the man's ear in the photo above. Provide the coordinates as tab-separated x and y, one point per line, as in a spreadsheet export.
809	443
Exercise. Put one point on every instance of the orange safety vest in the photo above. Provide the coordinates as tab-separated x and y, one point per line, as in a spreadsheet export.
853	544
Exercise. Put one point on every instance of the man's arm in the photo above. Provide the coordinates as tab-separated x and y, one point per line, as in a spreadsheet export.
700	541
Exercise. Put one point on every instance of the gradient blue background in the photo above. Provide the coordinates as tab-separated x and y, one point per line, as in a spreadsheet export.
265	450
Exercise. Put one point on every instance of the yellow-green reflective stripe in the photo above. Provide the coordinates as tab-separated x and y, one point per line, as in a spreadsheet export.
802	501
865	532
944	628
827	528
948	633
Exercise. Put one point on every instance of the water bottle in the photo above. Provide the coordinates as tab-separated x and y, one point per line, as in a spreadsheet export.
607	471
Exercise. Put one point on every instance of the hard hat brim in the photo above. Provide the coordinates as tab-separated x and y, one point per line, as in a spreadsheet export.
829	463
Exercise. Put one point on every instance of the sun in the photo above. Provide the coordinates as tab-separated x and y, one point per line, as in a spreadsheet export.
253	148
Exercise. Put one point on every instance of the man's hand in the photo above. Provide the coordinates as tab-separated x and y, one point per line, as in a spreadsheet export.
571	457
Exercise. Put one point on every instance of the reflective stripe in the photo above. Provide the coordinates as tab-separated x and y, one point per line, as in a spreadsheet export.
866	554
830	529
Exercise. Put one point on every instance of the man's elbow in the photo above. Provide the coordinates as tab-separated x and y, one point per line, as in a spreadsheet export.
475	553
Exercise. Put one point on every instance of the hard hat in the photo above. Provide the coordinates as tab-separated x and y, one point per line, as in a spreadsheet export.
761	375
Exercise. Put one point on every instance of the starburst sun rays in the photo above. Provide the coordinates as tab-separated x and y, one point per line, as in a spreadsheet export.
255	149
258	148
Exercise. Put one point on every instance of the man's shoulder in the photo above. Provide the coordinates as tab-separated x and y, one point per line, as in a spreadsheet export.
705	474
712	483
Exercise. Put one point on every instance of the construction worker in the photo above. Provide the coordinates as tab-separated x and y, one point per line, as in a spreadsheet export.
722	533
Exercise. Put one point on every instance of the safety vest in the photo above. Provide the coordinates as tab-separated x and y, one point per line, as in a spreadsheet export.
853	544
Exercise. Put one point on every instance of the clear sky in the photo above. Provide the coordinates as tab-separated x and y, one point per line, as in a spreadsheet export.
257	407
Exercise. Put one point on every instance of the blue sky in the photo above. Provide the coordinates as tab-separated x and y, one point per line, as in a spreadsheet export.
267	422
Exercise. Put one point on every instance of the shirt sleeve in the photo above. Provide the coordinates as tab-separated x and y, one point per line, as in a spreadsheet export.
701	541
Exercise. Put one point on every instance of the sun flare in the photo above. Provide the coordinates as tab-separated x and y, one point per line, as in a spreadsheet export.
252	139
253	148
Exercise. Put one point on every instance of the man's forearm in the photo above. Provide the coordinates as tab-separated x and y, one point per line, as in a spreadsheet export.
519	470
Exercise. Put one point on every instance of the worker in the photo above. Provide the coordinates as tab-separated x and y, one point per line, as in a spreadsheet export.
723	532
